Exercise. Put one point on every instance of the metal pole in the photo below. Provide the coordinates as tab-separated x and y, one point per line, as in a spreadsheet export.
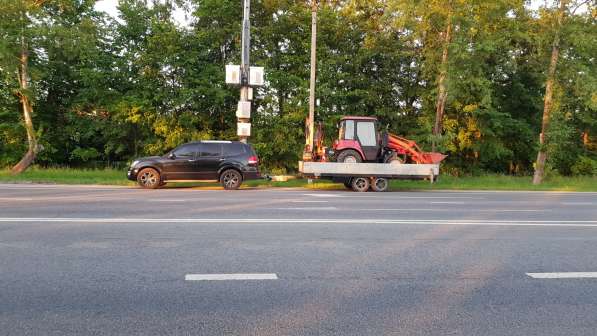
311	120
245	59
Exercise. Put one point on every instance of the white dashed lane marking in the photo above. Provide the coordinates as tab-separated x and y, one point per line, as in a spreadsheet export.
233	276
563	275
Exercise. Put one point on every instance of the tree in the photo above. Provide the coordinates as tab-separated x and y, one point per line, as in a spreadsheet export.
548	100
16	24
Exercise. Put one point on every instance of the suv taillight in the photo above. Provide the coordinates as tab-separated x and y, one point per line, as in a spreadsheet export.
253	160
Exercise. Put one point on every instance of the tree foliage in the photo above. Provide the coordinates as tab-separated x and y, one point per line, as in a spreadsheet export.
110	89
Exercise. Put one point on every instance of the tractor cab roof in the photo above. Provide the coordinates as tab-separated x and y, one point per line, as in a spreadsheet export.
358	118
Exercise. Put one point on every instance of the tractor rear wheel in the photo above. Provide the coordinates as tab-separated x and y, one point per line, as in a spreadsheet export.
349	156
394	159
360	184
379	184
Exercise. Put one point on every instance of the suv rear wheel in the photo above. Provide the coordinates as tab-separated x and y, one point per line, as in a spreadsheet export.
149	178
231	179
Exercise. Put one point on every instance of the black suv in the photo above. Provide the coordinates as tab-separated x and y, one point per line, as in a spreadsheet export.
230	162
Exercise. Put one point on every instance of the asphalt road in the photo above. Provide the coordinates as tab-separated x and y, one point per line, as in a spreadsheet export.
113	261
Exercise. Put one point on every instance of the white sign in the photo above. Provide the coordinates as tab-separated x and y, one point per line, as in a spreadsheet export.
243	129
233	74
256	76
243	110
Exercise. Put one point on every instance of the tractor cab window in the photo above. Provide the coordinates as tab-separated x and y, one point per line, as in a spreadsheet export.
366	133
346	130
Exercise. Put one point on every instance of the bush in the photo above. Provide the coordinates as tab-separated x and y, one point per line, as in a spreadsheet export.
585	166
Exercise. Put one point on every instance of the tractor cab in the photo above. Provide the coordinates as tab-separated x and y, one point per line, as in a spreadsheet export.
358	140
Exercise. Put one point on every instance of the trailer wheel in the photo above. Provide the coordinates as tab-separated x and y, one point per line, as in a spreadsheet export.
360	184
348	183
379	184
349	156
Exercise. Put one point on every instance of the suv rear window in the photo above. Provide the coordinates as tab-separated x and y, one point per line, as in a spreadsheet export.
231	149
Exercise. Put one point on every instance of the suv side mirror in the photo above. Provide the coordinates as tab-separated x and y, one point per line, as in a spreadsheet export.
171	156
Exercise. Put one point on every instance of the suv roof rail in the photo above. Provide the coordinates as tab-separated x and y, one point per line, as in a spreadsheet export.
216	141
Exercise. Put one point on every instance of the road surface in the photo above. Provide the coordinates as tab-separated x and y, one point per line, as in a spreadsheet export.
78	260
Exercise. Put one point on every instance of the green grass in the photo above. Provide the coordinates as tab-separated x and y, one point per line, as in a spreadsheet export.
486	182
68	176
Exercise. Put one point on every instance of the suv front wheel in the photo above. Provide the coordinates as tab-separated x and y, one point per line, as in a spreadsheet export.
149	178
231	179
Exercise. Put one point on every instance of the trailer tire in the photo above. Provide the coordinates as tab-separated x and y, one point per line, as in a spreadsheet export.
360	184
379	184
348	183
349	156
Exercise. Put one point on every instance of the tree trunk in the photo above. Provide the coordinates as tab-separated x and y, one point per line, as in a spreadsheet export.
29	156
548	98
442	92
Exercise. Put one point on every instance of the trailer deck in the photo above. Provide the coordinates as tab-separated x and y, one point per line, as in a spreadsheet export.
385	170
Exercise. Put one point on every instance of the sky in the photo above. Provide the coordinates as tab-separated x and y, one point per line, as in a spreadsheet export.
109	6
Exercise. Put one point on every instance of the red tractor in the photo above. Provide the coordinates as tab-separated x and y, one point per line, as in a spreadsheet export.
360	141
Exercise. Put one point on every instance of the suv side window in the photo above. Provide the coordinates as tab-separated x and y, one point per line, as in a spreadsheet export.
211	150
233	149
185	151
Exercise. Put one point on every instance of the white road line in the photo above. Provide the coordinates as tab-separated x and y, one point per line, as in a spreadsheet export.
167	200
546	223
454	210
310	201
15	199
415	209
563	275
307	208
323	195
447	202
233	276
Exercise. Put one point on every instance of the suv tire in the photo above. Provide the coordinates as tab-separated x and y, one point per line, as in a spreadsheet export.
149	178
231	179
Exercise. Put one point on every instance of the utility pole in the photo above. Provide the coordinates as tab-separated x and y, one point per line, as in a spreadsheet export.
245	62
245	76
310	122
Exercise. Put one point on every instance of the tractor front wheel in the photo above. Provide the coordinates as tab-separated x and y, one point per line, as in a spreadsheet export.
349	156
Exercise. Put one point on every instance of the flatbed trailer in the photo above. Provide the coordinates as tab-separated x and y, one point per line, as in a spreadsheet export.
362	176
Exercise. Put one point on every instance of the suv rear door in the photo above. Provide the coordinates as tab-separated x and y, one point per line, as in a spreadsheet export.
209	159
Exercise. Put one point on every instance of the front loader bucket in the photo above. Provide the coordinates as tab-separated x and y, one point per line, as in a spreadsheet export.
433	158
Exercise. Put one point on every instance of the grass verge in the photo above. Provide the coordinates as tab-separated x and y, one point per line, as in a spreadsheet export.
486	182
